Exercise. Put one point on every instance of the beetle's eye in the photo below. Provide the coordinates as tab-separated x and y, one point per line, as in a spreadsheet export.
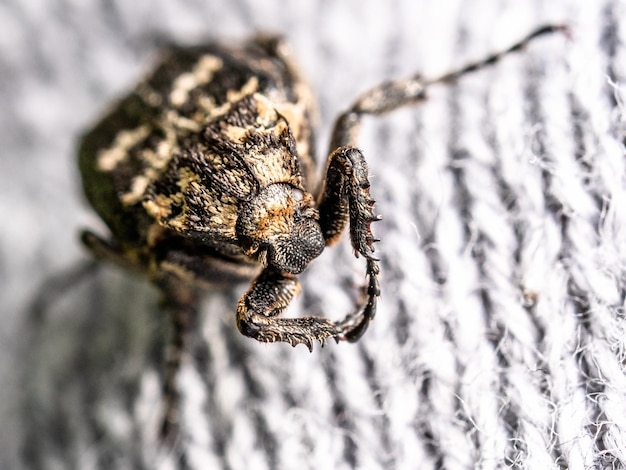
297	194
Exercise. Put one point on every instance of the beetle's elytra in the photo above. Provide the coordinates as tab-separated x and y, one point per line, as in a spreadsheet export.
205	174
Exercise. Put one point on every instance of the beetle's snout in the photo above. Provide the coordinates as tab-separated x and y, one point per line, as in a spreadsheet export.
293	252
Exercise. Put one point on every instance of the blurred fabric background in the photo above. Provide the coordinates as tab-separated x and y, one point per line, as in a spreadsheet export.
500	336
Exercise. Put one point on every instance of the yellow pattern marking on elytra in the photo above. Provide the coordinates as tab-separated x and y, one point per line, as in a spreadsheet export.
201	73
110	157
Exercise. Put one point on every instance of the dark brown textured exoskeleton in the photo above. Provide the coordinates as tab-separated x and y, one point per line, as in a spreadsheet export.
205	175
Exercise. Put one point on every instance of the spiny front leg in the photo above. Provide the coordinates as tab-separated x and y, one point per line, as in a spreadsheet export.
345	197
269	295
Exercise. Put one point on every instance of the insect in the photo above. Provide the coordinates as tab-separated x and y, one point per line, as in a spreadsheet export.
205	174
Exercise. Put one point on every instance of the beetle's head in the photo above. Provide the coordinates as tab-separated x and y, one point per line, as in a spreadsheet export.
279	228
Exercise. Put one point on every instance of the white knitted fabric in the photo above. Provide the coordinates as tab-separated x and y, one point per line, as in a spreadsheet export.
500	336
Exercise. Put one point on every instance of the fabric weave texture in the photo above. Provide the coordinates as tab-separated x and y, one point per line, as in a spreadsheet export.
500	339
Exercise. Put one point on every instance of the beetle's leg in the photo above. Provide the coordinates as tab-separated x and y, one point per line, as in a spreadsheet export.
392	95
203	267
269	295
345	197
181	301
107	251
345	194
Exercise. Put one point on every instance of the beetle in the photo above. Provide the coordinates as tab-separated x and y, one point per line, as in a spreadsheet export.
205	174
